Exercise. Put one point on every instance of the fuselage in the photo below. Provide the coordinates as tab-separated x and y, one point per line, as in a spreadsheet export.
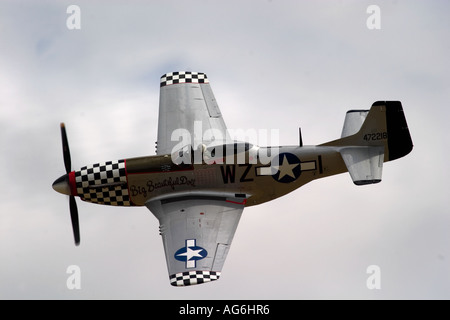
256	175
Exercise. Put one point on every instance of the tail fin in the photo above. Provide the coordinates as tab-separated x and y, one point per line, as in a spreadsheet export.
371	137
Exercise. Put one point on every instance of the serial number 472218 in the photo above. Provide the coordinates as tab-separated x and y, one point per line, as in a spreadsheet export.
375	136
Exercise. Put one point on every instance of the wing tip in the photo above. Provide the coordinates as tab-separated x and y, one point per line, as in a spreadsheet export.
183	77
189	278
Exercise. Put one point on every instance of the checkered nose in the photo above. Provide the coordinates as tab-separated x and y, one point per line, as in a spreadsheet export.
103	183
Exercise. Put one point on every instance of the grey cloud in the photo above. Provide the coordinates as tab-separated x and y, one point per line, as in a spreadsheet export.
287	64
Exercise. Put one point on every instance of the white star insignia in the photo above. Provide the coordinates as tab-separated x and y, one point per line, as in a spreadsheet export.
286	169
191	253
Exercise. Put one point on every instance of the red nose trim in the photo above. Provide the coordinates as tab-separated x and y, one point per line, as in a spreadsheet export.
72	184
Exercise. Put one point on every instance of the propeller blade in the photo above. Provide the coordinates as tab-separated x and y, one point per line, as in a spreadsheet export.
66	151
74	218
72	202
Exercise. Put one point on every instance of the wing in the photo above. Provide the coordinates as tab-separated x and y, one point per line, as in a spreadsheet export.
187	104
197	233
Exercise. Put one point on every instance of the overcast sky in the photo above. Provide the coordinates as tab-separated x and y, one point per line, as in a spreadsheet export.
272	65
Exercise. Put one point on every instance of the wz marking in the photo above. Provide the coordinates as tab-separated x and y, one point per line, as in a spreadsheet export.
375	136
229	173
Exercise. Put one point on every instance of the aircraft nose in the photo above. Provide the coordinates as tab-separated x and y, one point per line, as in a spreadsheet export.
62	185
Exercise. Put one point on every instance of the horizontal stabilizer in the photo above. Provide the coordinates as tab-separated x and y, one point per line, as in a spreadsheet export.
365	164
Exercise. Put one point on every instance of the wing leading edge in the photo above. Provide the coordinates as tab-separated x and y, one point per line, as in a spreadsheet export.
197	232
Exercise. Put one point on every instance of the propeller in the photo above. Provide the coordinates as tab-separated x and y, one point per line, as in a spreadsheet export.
72	202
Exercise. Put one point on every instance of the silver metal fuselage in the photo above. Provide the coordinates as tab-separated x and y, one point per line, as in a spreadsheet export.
248	177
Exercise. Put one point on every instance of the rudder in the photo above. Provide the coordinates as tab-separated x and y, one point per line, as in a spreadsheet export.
399	138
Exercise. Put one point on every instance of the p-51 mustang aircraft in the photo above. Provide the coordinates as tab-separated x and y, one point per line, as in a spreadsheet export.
200	181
